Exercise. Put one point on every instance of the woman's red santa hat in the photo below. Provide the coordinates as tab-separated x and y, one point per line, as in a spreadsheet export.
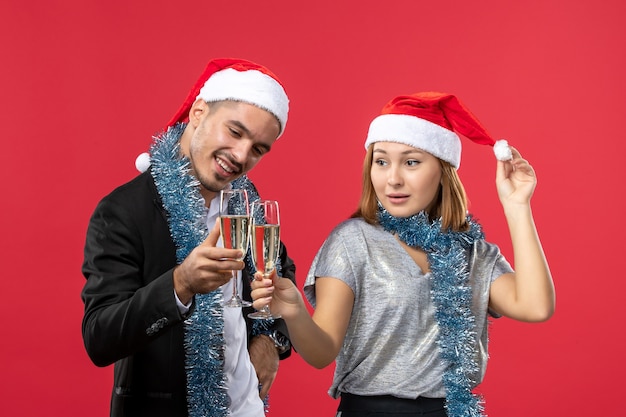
236	80
430	121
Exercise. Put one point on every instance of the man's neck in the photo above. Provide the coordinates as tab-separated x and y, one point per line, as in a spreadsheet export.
208	196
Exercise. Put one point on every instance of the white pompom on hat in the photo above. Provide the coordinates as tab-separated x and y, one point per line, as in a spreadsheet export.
142	163
430	121
237	80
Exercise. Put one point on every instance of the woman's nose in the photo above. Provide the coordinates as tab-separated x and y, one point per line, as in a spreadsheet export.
394	177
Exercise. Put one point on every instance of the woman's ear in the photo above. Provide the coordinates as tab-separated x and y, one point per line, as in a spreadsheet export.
198	110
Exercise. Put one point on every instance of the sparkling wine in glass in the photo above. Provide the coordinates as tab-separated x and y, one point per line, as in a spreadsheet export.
265	243
235	230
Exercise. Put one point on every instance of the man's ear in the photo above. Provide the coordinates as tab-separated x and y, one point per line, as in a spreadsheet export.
198	110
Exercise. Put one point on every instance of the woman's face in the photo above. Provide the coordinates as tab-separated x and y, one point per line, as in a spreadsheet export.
406	179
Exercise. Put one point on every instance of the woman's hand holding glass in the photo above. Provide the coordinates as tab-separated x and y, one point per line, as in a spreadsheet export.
265	245
281	294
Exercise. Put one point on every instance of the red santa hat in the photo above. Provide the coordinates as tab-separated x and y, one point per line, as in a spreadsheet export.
233	79
238	80
430	121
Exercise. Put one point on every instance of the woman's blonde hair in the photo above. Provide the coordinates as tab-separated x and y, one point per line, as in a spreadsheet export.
450	203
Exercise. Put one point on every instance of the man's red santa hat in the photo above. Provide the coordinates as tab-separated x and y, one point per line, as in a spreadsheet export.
430	121
237	80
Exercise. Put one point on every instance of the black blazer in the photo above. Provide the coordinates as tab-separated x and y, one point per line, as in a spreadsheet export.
131	317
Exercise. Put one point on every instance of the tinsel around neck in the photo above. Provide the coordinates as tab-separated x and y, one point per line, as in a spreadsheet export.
451	295
204	329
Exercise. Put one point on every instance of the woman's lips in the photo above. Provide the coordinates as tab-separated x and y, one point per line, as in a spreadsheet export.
397	198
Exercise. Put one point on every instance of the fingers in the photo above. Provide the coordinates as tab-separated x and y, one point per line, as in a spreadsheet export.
504	169
518	161
262	292
515	153
501	171
265	389
259	303
260	283
214	234
264	358
207	268
515	180
217	259
201	279
521	165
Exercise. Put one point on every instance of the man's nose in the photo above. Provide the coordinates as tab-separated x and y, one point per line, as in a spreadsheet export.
241	151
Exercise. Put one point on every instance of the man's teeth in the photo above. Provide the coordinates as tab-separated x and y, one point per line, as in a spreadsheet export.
224	167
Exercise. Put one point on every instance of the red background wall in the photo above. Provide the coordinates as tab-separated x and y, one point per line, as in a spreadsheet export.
85	83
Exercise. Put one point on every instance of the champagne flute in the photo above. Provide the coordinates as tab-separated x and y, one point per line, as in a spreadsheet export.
265	243
235	230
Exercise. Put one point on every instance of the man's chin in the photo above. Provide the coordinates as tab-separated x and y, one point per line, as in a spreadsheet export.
217	185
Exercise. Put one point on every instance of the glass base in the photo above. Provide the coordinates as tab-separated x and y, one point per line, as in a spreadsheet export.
264	314
237	302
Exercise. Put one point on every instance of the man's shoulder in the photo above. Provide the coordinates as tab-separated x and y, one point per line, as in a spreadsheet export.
136	195
141	184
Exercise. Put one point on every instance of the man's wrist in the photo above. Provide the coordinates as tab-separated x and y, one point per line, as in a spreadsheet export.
183	292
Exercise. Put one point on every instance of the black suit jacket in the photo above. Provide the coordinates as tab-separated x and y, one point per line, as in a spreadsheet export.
131	317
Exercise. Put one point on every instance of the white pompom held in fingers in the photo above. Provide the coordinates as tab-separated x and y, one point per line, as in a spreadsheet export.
502	150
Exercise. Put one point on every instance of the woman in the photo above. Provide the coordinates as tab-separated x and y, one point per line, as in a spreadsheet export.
402	290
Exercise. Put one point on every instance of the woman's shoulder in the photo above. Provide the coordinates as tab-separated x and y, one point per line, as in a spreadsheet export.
354	231
351	225
482	246
483	249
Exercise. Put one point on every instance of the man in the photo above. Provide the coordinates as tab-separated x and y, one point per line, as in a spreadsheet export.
157	273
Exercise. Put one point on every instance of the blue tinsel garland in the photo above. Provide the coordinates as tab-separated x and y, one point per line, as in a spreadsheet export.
204	329
452	296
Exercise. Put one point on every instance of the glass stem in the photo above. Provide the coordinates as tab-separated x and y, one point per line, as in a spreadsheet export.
235	292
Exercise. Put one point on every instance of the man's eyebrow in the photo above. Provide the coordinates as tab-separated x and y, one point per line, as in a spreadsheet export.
247	133
241	126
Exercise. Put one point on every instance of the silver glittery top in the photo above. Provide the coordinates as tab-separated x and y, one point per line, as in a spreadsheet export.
390	345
